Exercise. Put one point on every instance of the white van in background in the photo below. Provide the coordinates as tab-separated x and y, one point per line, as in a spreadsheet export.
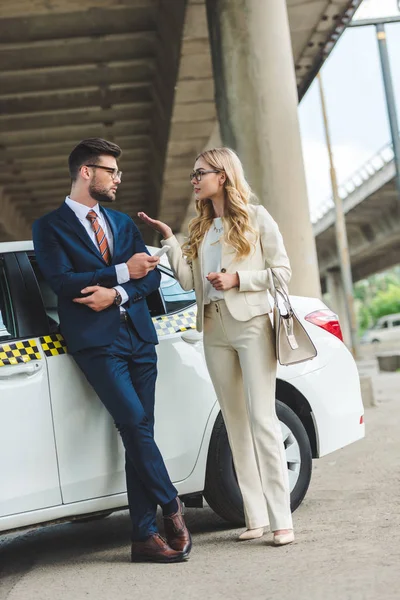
387	329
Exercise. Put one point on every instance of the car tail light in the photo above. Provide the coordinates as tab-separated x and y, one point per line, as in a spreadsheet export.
361	419
326	319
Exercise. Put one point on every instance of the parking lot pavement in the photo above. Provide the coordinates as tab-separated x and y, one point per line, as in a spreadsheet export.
347	545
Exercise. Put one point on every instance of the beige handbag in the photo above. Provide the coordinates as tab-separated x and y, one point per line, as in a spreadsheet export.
293	344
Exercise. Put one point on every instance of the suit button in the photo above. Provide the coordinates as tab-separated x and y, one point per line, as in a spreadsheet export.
223	270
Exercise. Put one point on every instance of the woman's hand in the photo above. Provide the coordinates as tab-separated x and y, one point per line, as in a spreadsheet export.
223	281
159	226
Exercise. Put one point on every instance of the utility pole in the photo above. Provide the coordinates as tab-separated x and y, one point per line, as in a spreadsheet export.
340	231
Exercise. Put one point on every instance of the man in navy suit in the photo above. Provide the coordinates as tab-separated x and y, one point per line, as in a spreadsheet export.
97	263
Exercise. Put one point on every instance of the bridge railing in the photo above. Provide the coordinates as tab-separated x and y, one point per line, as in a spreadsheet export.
369	169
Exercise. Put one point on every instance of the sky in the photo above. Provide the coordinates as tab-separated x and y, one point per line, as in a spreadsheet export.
355	101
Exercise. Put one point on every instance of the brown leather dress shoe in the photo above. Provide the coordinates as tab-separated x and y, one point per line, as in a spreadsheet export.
155	549
176	532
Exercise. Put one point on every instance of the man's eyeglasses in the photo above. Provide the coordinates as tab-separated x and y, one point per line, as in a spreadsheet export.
115	174
198	174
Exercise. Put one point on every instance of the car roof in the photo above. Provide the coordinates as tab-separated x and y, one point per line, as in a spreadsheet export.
27	245
16	246
386	317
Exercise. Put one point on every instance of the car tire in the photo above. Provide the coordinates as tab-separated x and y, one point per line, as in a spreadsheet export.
222	492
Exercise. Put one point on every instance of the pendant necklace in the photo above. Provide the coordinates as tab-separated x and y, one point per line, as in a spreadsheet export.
220	229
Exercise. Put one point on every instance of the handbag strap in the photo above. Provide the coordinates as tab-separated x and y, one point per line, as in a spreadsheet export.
279	290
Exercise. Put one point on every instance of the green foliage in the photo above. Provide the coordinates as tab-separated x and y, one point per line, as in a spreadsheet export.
386	302
377	296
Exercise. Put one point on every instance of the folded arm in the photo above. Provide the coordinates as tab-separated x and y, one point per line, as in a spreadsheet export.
274	254
57	269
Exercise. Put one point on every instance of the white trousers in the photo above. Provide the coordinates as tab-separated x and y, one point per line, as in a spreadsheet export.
241	360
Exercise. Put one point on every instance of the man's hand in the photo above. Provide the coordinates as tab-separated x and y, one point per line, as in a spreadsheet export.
99	299
223	281
140	264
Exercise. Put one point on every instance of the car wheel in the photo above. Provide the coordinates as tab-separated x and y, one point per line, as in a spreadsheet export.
222	492
375	341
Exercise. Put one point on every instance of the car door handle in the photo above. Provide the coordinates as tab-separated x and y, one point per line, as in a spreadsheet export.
19	370
191	336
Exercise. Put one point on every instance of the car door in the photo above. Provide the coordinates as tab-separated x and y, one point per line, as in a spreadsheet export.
395	332
28	464
90	454
184	393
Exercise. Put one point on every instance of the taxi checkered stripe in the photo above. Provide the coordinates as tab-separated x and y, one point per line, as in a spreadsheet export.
53	345
19	352
168	324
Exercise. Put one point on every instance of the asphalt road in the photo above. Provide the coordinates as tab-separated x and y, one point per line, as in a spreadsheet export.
347	545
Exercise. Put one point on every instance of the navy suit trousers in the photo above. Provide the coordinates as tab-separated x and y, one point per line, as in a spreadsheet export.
123	374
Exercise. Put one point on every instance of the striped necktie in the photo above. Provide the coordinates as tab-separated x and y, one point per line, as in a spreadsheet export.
100	236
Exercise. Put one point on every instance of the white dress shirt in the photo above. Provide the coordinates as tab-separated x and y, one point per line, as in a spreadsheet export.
212	259
81	211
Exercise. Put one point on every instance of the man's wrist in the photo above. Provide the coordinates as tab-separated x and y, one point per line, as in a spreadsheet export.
117	298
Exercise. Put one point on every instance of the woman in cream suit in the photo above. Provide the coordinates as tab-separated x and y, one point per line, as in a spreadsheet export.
230	246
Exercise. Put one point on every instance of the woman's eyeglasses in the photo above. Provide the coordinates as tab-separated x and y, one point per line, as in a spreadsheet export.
198	174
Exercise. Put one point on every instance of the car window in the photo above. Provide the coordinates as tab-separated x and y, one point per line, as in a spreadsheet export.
7	321
48	296
175	297
396	323
384	325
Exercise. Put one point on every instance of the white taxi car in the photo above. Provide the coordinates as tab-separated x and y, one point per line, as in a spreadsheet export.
60	455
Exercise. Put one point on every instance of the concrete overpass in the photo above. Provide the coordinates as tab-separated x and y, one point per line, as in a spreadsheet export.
372	208
152	75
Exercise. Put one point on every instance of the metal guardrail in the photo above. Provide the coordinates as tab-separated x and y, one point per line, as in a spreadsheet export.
384	156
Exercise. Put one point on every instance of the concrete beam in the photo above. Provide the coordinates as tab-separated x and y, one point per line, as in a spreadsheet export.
109	19
60	78
64	148
369	187
77	51
72	133
378	262
130	157
79	98
24	8
79	116
11	219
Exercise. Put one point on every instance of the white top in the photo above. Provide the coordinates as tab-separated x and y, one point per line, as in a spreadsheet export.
212	259
81	211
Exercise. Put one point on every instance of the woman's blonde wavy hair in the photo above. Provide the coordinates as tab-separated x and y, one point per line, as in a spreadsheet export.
237	196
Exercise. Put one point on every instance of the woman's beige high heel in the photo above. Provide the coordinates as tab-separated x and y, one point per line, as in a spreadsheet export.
281	539
251	534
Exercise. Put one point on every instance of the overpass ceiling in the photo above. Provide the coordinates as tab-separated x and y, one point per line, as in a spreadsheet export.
71	69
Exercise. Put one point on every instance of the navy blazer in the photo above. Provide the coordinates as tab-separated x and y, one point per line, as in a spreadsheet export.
70	261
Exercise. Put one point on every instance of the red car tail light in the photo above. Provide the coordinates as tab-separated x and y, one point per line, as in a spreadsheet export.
326	319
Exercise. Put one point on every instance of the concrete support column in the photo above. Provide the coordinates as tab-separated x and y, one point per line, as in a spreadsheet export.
337	302
257	109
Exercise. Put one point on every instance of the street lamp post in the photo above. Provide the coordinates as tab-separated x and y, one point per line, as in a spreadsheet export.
379	24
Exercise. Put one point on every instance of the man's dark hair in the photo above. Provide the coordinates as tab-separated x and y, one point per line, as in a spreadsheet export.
88	152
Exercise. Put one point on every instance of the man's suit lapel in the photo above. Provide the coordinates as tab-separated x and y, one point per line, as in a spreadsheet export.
68	215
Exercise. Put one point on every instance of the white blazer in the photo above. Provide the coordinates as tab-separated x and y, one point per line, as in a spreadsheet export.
250	298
